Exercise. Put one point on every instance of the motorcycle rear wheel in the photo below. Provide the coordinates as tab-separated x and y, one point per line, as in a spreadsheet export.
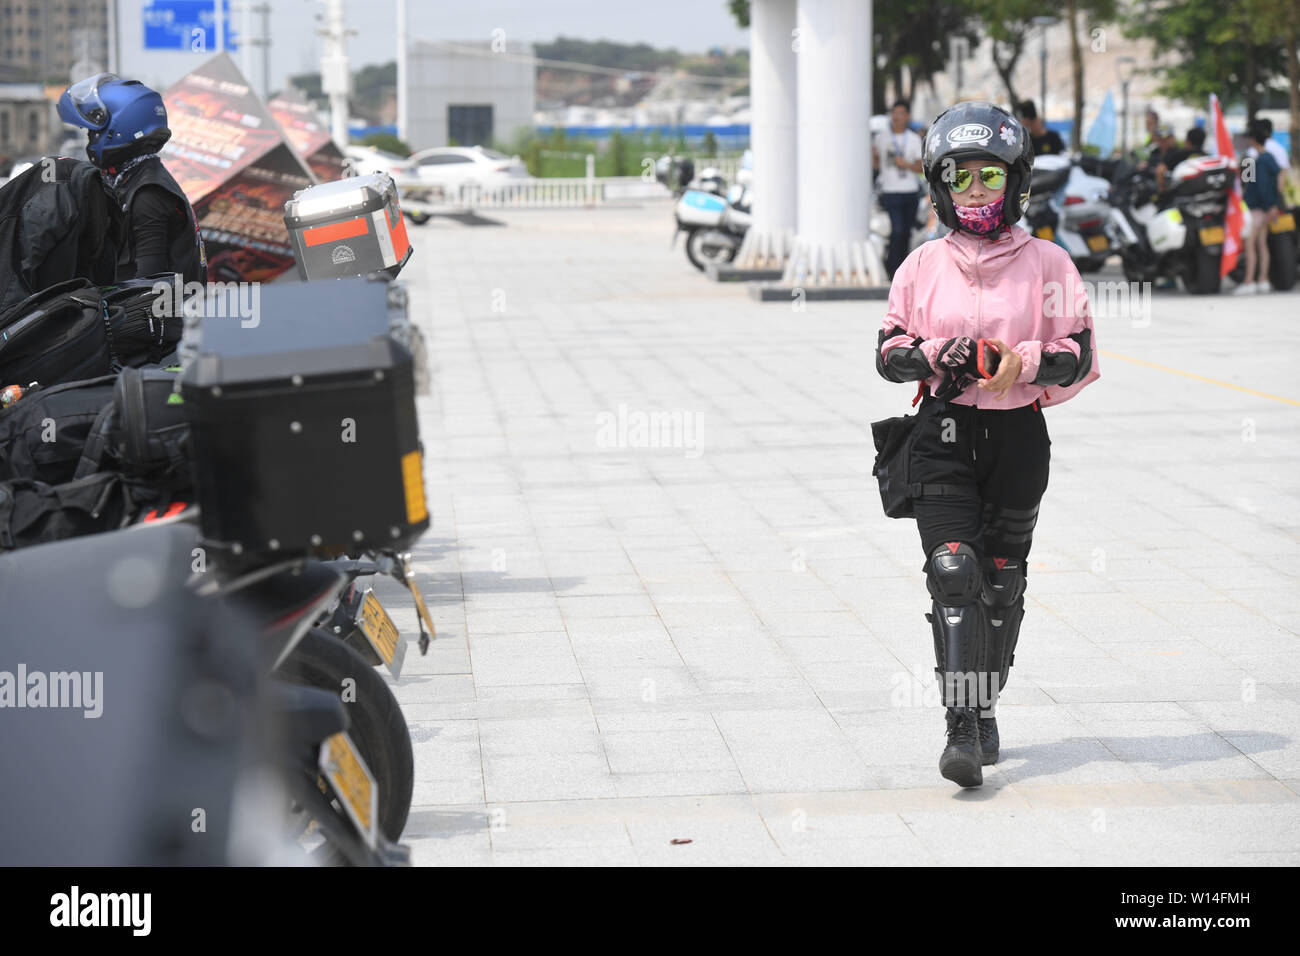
375	721
699	254
1282	260
1202	275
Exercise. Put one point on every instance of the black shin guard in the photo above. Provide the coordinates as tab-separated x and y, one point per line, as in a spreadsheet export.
957	621
1003	603
960	654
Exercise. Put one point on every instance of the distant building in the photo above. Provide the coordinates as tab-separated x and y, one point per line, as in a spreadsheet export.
28	122
467	95
46	39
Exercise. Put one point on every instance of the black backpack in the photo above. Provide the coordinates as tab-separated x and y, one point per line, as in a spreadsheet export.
140	335
44	434
58	335
59	220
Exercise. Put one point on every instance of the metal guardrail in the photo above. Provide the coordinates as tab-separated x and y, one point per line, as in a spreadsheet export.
544	193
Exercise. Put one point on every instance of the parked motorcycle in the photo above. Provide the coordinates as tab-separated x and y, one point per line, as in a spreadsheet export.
1070	207
1178	235
715	225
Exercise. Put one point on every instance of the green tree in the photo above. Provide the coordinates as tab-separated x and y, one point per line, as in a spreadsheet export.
1229	47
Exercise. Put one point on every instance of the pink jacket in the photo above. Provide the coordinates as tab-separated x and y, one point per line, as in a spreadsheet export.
1022	290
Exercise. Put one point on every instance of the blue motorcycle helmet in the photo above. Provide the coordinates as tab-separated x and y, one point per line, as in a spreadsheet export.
123	118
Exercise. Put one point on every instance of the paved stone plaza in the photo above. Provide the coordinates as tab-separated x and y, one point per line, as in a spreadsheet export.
721	641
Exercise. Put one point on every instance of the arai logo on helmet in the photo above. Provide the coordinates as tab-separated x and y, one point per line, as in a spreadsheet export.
970	133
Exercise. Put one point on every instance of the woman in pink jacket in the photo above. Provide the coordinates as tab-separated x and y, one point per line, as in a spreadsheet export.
995	325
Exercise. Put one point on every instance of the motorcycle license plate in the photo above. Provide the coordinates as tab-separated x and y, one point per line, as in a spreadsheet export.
1045	232
1283	223
420	606
352	783
1212	236
382	633
1098	243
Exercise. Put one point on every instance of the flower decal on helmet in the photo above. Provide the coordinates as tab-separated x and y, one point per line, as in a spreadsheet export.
1008	134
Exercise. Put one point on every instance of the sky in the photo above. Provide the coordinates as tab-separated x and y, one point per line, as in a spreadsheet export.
688	25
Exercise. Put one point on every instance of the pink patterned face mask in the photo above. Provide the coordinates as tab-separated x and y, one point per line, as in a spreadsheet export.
980	220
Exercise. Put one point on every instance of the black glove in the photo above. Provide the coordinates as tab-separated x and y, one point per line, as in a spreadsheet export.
958	356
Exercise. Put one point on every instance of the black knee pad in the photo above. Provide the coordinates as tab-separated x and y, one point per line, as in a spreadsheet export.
1004	582
953	574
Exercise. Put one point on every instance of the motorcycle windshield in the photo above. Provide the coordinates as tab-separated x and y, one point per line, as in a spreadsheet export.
85	99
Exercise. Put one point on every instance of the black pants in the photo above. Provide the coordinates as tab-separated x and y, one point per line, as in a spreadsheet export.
902	214
998	459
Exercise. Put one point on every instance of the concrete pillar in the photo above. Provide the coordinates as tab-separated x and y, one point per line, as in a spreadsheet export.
834	57
772	134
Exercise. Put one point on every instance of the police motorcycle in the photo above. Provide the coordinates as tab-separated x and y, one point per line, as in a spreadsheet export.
714	218
1179	234
1070	207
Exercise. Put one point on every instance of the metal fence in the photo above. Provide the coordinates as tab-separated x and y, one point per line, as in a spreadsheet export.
551	193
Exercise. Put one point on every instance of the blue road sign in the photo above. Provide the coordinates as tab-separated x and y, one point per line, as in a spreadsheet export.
186	25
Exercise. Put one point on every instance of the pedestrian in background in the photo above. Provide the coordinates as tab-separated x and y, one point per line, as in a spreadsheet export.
1261	192
1046	142
897	157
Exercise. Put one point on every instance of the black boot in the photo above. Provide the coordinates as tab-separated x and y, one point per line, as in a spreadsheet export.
962	758
989	741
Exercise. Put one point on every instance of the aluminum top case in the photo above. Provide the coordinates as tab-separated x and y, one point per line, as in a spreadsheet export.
346	228
304	430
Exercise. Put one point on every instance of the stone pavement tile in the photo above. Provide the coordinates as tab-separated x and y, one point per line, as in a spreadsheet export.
654	652
521	736
712	842
489	694
448	836
448	768
646	686
510	835
808	650
678	783
785	750
541	775
570	856
513	621
606	606
624	630
446	688
512	668
667	751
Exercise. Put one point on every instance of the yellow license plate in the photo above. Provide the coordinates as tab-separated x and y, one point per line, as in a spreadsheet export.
1212	236
382	633
352	783
1045	232
1283	223
420	606
1098	243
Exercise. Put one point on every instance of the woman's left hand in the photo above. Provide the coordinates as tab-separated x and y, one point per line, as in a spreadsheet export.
1009	366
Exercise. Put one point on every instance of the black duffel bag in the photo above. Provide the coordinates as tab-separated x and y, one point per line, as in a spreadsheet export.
44	434
57	335
34	512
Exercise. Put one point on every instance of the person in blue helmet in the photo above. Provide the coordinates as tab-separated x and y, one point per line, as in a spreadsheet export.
126	124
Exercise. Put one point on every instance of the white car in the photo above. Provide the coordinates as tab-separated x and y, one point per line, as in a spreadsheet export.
370	159
445	168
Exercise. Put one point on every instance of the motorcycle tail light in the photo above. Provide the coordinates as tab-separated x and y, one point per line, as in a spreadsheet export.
1073	200
1090	224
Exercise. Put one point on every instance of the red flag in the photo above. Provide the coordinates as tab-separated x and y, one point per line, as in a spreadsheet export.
1235	220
